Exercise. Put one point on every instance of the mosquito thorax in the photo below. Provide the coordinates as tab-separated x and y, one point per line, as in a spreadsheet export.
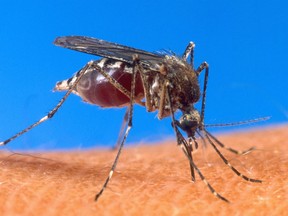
183	82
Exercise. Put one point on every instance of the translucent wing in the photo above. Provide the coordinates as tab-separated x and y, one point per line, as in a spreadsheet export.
109	50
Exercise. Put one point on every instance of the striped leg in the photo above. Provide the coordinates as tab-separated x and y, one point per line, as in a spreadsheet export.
207	135
129	126
181	141
213	191
229	148
116	158
53	111
189	51
187	151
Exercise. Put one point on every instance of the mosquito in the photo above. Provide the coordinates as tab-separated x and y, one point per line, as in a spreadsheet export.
162	82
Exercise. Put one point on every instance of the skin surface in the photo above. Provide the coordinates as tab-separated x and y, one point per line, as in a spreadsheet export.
150	180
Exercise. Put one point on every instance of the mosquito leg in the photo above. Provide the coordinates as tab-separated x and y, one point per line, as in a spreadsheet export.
189	147
129	126
213	191
207	135
229	148
189	152
189	50
122	130
203	66
162	102
195	142
147	94
180	139
115	160
193	167
53	111
183	144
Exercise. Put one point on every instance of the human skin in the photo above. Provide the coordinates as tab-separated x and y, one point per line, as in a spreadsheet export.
150	180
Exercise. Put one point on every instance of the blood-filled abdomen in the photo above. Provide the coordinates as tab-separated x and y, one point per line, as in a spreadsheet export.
94	88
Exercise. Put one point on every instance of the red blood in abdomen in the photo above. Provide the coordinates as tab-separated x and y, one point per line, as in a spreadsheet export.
96	89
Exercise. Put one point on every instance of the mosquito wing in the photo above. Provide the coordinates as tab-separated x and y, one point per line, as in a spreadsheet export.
110	50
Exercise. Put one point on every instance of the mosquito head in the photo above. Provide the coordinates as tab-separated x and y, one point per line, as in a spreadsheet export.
190	121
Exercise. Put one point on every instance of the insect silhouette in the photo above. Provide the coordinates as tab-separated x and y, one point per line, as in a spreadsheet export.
160	82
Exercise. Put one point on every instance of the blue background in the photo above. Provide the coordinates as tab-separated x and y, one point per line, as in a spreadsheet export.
245	43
